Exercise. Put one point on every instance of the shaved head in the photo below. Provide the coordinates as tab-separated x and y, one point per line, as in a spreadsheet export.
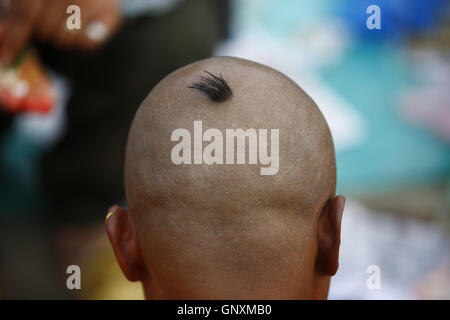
225	230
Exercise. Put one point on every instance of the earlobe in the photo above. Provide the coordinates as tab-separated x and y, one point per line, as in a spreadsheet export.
329	236
122	236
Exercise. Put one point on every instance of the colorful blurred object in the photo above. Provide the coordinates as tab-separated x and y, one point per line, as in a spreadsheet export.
25	85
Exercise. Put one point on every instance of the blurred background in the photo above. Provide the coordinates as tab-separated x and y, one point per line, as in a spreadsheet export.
384	92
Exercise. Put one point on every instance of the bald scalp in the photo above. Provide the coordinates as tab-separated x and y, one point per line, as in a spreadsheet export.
205	218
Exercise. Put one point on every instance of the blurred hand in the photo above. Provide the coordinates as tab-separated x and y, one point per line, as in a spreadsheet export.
46	19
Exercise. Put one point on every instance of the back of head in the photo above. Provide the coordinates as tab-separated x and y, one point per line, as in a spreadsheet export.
216	217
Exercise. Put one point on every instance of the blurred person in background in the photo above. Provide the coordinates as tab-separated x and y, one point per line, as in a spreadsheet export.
122	49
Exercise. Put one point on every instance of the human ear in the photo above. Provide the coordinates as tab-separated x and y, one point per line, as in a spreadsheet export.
123	238
329	237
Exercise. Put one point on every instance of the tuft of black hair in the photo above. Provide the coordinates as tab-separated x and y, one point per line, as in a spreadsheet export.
214	87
